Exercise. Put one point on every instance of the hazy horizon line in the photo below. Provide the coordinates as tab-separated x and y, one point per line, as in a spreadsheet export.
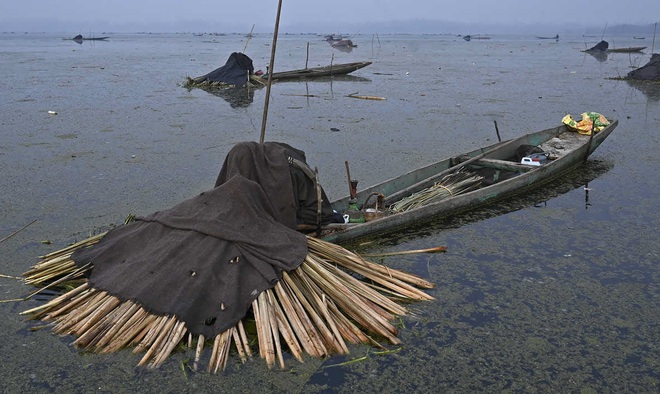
411	26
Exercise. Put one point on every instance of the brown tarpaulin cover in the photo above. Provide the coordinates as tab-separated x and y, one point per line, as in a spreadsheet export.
268	164
206	259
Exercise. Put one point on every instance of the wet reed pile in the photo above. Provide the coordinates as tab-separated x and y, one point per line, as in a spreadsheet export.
333	298
461	181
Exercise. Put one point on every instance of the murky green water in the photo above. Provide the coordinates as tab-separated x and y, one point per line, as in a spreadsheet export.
554	291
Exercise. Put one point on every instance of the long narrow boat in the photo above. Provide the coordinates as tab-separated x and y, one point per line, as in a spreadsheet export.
476	37
81	38
626	50
313	72
502	176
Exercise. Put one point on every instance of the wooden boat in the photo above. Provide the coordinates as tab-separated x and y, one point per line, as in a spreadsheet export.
475	37
314	72
343	43
502	177
81	38
548	38
626	50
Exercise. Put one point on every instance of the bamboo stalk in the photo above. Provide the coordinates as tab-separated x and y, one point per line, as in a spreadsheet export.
214	353
355	307
317	298
198	351
175	336
286	329
158	338
107	305
17	231
239	348
304	296
85	242
244	341
78	314
90	336
294	319
311	329
56	301
133	331
73	274
357	96
368	293
72	304
152	331
352	261
328	274
263	322
351	332
115	324
275	329
221	347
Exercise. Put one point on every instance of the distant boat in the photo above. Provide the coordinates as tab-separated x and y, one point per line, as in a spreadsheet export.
332	38
548	38
79	38
315	72
239	70
639	38
475	37
343	43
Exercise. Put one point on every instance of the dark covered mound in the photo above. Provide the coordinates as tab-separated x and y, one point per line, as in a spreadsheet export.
648	72
283	173
236	71
601	46
204	260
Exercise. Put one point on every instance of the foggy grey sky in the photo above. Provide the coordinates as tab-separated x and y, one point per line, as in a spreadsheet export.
354	16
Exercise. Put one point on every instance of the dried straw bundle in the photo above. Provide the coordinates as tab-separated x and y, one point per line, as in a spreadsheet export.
190	83
450	185
315	309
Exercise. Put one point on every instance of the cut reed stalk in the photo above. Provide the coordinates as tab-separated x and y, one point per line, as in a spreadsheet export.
244	340
304	295
307	322
286	331
198	352
275	328
296	317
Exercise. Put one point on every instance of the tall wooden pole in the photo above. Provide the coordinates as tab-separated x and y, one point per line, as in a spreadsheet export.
270	73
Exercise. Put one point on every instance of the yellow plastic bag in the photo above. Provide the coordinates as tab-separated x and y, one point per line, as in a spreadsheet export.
590	120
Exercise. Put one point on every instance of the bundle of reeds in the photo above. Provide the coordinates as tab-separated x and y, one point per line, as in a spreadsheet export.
193	83
190	83
458	182
333	297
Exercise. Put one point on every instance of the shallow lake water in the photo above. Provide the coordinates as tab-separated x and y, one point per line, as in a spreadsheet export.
552	291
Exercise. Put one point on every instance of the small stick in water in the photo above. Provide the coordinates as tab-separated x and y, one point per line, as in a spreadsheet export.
430	250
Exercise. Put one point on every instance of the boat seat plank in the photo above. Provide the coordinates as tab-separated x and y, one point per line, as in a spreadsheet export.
499	164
